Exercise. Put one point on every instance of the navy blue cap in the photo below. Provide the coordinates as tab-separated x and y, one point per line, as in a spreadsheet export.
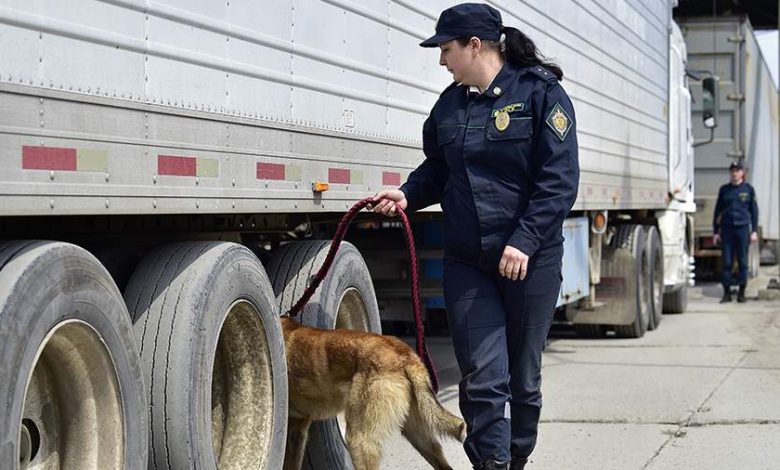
737	165
466	20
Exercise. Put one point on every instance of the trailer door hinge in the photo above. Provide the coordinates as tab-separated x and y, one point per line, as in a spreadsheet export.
735	97
736	38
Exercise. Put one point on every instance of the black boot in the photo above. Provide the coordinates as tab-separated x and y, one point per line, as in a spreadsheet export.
741	295
492	464
726	295
518	463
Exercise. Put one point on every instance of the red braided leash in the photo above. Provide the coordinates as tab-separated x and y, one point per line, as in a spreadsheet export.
341	230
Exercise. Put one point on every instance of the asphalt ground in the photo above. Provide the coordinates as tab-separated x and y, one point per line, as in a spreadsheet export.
701	392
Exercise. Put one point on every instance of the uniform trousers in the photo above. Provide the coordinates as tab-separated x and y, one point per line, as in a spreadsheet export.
499	329
734	240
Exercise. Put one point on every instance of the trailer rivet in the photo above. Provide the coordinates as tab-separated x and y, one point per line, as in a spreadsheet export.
51	203
107	177
234	204
197	180
107	204
51	175
197	204
154	203
234	181
154	179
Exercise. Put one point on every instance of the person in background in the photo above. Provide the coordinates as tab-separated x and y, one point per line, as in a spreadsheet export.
734	222
501	158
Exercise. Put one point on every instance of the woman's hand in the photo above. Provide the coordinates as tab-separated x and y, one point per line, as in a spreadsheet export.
514	264
387	201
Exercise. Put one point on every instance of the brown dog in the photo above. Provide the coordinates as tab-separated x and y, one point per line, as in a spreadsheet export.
377	381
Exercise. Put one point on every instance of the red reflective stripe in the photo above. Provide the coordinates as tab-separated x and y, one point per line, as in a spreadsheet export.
177	166
48	158
270	171
390	178
338	175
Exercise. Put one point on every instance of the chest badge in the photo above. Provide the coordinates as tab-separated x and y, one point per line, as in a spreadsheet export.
502	120
559	121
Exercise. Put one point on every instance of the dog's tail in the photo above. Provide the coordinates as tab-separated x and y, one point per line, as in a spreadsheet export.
426	410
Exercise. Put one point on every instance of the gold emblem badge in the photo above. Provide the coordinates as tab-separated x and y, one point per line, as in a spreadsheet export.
502	120
559	121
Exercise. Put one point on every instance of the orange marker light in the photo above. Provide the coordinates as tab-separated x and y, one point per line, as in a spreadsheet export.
598	222
319	186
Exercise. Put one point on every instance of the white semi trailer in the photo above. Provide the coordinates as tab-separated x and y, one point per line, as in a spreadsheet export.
170	171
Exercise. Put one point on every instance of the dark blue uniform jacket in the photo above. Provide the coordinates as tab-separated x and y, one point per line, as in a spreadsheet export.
736	207
499	187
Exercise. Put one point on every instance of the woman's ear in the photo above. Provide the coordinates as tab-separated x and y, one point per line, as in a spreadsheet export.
476	45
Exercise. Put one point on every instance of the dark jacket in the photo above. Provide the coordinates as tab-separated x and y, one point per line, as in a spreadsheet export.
499	187
736	207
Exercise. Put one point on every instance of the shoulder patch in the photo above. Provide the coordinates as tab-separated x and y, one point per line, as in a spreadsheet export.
543	73
559	121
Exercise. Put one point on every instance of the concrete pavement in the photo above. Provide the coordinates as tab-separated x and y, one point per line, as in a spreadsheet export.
701	392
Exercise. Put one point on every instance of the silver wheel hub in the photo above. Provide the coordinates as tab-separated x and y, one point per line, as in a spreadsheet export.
72	415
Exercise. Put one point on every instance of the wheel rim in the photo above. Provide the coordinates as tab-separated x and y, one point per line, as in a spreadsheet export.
72	415
352	314
241	390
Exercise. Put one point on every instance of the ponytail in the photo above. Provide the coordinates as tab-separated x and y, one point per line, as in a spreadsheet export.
521	51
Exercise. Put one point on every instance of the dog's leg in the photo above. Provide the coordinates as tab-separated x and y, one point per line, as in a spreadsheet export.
297	436
418	433
376	407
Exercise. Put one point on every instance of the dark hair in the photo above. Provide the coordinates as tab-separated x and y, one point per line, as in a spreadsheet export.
521	51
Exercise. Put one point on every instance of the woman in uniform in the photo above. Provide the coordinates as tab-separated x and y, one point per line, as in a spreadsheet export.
501	158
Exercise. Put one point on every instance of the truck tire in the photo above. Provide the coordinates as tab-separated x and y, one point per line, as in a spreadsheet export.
632	239
71	390
345	299
655	270
212	353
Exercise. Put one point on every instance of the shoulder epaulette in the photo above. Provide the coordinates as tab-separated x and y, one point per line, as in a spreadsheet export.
543	73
